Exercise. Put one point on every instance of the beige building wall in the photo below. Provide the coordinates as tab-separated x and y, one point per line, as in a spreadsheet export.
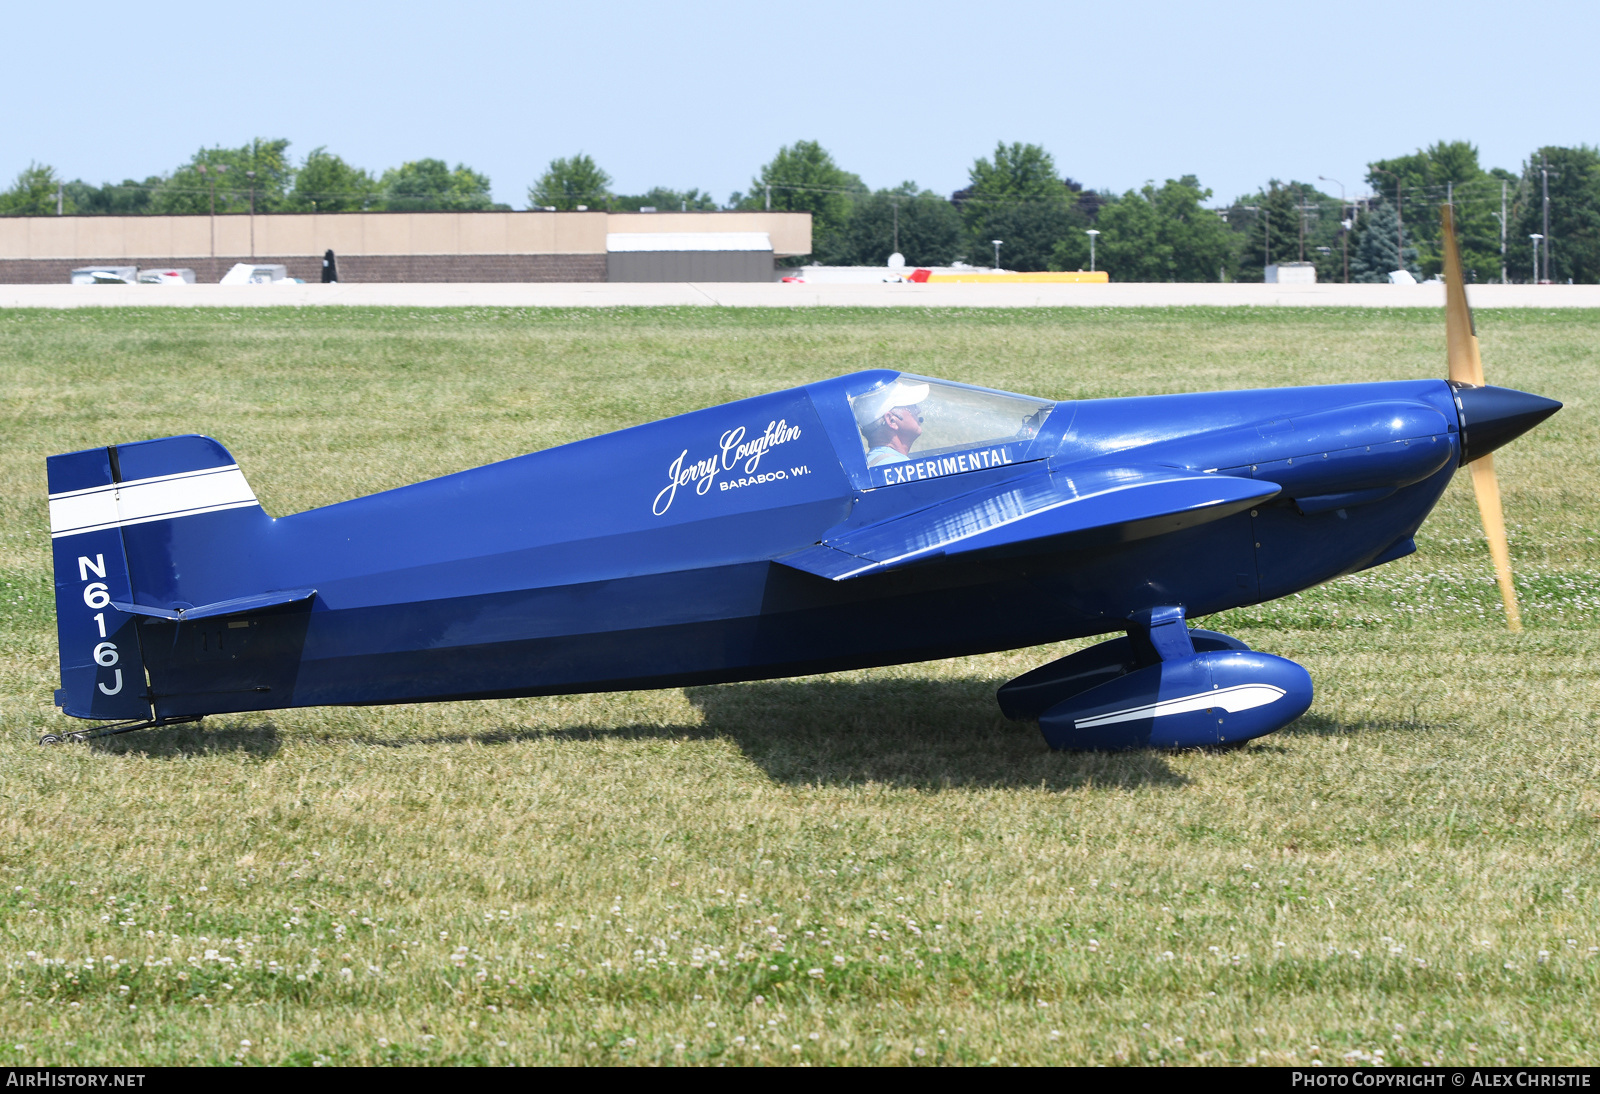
370	234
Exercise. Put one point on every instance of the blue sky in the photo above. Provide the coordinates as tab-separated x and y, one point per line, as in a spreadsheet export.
702	94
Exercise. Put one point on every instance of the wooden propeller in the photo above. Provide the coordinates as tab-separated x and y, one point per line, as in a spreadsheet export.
1466	367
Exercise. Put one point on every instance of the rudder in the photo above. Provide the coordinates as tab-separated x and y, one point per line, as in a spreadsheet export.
111	526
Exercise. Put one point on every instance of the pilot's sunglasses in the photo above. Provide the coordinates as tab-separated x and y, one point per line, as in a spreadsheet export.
914	410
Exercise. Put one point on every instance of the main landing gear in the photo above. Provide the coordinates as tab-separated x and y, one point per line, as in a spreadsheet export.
1162	686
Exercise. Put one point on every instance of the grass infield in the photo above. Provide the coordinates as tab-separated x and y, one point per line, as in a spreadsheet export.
868	867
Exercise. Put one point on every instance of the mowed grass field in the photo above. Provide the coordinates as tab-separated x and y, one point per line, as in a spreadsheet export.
869	867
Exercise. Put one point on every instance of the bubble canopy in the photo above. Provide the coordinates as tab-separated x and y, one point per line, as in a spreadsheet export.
943	418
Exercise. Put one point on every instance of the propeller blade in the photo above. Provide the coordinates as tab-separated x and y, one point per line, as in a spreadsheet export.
1487	487
1466	367
1461	334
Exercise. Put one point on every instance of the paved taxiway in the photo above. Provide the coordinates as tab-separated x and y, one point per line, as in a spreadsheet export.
771	295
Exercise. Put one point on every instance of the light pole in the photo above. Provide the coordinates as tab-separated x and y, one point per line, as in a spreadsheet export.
997	243
251	175
1344	225
1091	233
1536	237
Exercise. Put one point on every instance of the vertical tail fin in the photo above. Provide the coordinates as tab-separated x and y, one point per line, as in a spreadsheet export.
125	522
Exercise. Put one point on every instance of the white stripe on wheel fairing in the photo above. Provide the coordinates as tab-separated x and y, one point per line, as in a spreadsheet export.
1234	699
165	497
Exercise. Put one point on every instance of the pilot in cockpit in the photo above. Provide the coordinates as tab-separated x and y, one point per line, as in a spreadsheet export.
891	421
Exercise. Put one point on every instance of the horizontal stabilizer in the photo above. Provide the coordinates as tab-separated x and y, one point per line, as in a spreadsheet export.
221	607
1078	509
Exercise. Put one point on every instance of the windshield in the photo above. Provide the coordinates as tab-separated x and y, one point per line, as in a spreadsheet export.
912	418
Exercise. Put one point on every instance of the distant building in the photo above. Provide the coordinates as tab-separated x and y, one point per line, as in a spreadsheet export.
1292	273
689	256
408	247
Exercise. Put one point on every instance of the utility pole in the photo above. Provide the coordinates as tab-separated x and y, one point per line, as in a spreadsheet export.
60	198
896	206
1536	237
1344	224
1302	224
1544	171
211	183
1399	219
769	197
1450	200
1503	280
1266	238
1399	226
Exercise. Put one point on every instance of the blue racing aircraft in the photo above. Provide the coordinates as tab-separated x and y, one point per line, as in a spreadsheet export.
872	519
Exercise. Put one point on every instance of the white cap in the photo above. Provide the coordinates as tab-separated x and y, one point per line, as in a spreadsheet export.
873	405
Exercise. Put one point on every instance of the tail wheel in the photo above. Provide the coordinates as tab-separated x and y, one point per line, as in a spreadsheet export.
50	739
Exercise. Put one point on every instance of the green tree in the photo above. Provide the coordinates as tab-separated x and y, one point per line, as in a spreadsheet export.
1574	214
188	189
1423	181
1018	172
33	194
1017	197
130	197
1156	235
925	227
1374	248
569	183
803	178
1287	222
430	186
666	200
1029	232
325	183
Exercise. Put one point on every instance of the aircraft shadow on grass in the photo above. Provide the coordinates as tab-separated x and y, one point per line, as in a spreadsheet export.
1321	725
926	735
197	739
929	735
